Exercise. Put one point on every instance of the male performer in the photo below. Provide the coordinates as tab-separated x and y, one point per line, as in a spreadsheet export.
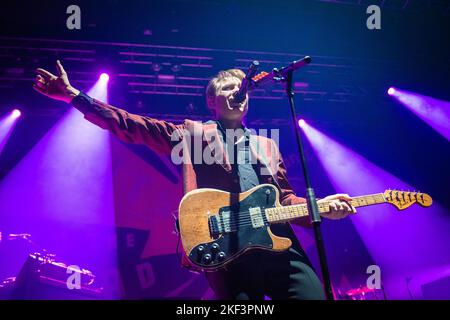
286	275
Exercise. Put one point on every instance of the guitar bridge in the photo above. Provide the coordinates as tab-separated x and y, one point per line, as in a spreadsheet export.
221	223
214	226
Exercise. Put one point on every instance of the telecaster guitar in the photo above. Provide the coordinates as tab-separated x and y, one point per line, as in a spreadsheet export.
216	226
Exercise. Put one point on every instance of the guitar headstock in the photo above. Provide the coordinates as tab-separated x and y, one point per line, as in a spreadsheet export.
403	199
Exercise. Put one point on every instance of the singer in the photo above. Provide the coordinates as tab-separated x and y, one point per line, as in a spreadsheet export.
286	275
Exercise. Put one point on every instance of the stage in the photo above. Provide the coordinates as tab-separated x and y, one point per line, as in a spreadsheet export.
89	202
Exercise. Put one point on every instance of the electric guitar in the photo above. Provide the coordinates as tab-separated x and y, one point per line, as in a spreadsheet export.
216	226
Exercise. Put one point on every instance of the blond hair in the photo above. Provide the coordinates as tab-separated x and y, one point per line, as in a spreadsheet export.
215	83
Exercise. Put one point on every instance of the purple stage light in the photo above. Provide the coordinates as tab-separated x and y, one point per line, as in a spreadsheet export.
7	125
434	112
100	89
67	181
104	77
301	123
166	77
16	113
403	244
391	91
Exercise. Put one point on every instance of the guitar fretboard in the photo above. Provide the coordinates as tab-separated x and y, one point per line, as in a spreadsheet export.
283	214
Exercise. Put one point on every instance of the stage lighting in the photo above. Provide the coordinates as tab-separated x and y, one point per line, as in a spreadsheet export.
104	77
391	91
156	67
16	113
434	112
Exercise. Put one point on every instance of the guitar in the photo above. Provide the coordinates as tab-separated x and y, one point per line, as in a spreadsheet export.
216	227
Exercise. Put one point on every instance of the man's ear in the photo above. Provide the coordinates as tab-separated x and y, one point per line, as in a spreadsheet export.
210	102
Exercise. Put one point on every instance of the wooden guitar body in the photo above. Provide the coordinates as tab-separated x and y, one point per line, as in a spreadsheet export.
217	226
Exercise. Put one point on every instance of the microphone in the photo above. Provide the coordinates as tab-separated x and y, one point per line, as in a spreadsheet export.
242	93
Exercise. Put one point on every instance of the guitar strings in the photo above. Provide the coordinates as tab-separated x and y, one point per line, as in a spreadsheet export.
247	220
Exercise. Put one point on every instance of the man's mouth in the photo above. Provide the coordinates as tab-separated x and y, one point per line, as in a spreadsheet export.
235	105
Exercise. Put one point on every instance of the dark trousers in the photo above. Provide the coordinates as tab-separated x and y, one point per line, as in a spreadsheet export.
280	276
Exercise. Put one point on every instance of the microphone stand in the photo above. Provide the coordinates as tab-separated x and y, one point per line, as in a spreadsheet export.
313	209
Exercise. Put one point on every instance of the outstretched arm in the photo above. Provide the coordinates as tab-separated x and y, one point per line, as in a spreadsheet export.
126	126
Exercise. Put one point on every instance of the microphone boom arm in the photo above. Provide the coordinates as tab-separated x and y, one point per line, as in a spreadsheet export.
278	74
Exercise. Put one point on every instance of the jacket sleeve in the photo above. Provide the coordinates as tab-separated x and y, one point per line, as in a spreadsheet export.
288	196
129	127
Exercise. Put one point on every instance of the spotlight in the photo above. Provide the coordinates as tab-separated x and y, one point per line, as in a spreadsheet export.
391	91
301	123
176	68
16	113
104	77
156	67
434	112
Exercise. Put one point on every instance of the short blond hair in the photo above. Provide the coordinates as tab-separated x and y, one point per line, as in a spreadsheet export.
214	83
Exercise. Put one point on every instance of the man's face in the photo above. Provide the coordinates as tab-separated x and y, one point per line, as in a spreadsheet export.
223	103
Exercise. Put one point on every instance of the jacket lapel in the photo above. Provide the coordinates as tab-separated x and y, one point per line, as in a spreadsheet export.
215	145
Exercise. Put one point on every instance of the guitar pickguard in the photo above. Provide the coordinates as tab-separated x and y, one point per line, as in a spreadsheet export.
237	228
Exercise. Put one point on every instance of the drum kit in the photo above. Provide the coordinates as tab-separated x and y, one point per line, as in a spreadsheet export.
362	293
42	276
41	268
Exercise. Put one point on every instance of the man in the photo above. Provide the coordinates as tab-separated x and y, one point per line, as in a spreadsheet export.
286	275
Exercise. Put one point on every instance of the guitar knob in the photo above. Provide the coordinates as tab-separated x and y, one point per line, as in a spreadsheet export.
221	255
215	247
207	258
200	250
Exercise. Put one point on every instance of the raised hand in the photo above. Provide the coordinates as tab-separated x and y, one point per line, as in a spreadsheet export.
56	87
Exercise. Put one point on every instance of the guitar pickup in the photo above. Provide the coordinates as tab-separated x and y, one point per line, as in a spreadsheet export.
256	217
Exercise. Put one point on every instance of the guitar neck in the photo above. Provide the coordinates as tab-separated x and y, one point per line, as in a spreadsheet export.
287	213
